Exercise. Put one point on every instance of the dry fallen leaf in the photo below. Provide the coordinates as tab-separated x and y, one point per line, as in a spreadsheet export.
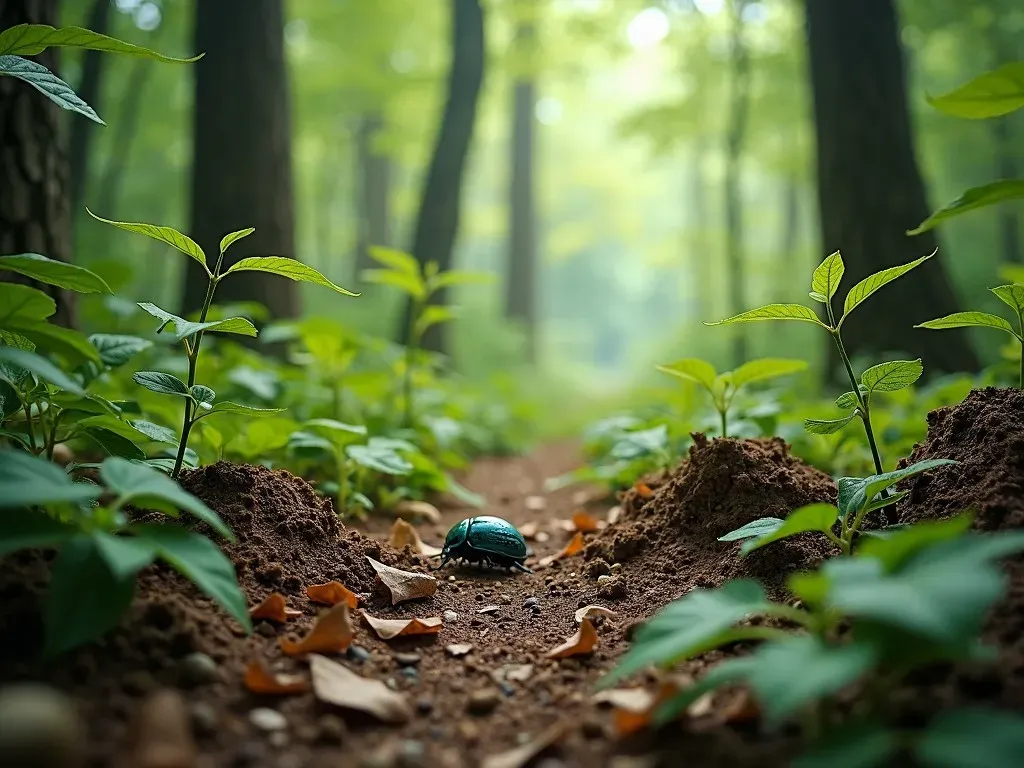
413	509
332	593
331	633
585	522
634	707
403	585
643	490
403	534
259	679
574	547
584	641
274	608
520	756
614	514
592	611
335	684
389	628
490	609
529	530
458	649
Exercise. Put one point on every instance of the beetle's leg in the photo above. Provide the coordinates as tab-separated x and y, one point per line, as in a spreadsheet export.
520	567
443	563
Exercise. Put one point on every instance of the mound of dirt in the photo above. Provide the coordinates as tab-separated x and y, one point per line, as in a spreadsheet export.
672	533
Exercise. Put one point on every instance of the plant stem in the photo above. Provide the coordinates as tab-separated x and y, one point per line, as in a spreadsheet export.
27	407
1020	324
410	353
722	413
865	413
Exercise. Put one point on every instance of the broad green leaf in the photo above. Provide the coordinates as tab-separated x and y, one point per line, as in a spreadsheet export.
973	737
692	369
434	315
54	272
186	328
137	483
164	383
729	672
392	258
27	480
379	459
874	282
285	267
973	199
69	344
456	277
760	527
114	444
858	746
765	368
640	442
827	426
85	600
892	376
204	396
991	94
125	556
48	84
969	319
167	235
20	302
813	517
855	492
30	529
230	239
799	671
825	281
155	432
241	409
1011	295
200	561
303	442
40	366
689	623
848	400
30	39
896	549
339	432
116	349
773	312
408	284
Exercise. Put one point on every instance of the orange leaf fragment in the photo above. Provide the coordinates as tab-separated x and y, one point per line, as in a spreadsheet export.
585	522
274	608
332	593
332	633
583	642
634	707
403	534
574	547
387	629
259	679
643	490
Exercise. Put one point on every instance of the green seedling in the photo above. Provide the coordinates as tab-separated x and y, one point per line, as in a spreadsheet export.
419	283
1013	297
905	602
885	377
100	550
858	497
723	386
200	400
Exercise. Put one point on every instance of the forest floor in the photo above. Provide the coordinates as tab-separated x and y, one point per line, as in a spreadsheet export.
166	688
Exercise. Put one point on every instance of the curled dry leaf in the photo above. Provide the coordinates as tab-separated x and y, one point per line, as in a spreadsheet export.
529	530
490	609
331	633
634	707
274	608
335	684
574	547
259	679
389	628
643	490
583	642
332	593
520	756
458	649
592	611
411	509
585	522
403	534
403	585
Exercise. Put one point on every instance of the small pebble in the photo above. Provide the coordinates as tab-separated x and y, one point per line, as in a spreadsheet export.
197	669
504	599
483	701
409	673
267	719
391	683
603	578
507	689
411	754
451	578
425	706
531	602
407	659
40	727
278	739
331	729
266	629
616	567
358	654
204	718
449	617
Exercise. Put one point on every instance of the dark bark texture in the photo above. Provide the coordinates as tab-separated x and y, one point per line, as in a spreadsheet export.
437	223
242	167
89	88
34	213
373	192
869	186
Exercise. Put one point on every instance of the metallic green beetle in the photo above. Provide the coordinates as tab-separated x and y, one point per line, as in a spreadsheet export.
485	539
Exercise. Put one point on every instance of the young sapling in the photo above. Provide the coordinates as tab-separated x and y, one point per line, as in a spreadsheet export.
885	377
723	386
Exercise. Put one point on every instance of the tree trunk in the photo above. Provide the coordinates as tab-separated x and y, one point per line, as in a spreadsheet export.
437	223
373	195
34	214
520	283
89	88
125	130
242	168
739	110
869	187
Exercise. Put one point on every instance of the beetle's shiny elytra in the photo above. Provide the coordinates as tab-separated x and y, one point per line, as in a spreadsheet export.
485	539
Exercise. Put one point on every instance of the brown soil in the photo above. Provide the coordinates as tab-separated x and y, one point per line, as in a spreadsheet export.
662	547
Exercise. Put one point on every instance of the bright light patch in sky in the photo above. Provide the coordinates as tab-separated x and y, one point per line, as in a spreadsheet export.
548	110
147	16
709	7
649	27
